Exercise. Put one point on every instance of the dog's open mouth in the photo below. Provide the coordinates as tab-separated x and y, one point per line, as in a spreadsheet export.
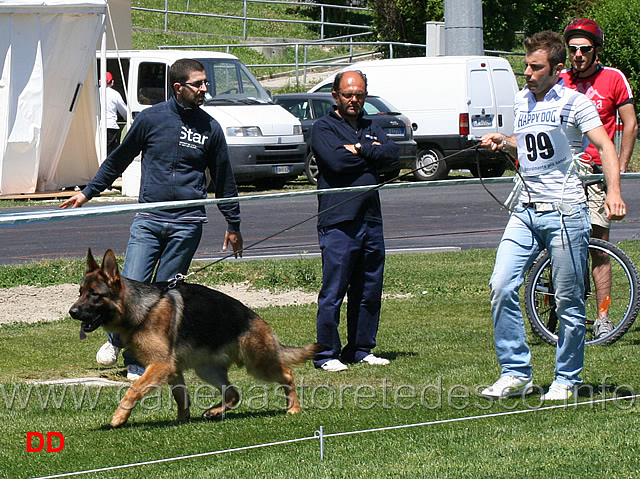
88	322
89	326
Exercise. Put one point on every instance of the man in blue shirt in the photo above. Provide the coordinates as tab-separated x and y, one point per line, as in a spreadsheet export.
349	151
179	141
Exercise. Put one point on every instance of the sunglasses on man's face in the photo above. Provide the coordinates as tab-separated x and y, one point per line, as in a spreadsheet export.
197	84
581	48
349	95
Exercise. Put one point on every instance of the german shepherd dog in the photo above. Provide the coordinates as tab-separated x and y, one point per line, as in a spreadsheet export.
185	327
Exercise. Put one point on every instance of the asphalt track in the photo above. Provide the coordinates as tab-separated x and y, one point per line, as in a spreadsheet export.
417	219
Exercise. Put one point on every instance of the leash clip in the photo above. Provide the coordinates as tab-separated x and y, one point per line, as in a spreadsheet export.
174	281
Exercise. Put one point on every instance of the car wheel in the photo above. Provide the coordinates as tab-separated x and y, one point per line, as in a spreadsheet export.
489	171
311	169
429	165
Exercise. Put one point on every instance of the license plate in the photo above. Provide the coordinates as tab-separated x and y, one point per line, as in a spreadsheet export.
480	121
282	170
394	131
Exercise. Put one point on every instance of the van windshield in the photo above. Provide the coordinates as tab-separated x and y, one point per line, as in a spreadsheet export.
232	83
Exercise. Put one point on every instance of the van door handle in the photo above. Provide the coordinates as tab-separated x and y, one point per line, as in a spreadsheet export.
500	120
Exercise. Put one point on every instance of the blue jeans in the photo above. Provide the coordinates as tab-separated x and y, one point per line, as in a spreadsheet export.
566	238
167	248
353	265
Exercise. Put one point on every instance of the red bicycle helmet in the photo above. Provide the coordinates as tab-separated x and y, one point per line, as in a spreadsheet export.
586	28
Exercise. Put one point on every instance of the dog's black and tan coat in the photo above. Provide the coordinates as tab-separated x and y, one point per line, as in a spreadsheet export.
189	326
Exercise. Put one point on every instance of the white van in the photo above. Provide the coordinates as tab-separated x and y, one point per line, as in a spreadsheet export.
452	100
265	141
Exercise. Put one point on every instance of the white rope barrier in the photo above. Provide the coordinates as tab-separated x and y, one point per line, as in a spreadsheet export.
321	436
25	217
59	214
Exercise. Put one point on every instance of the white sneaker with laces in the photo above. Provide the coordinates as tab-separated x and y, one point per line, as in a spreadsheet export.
559	392
602	327
507	386
134	371
374	360
334	366
107	355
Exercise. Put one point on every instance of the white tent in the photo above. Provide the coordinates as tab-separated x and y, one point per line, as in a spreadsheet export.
49	133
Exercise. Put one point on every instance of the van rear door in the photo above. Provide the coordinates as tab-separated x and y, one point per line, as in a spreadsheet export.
505	87
483	112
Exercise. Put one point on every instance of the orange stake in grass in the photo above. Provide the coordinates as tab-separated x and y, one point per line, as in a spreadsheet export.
604	306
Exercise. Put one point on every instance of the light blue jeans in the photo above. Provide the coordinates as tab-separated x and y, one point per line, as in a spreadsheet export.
566	238
167	248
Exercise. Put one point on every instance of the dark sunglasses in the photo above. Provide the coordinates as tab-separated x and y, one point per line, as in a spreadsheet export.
582	48
196	84
348	95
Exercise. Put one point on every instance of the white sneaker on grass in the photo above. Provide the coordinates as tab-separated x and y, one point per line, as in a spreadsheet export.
107	355
374	360
508	386
559	392
334	366
134	371
602	327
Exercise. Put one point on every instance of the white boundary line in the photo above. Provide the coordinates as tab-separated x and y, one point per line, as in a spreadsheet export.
346	433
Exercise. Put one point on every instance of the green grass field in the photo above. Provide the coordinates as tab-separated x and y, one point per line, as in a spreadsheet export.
436	329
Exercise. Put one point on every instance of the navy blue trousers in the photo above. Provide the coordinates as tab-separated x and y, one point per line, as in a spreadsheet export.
352	265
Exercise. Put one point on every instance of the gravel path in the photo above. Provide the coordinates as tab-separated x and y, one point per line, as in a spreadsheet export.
31	304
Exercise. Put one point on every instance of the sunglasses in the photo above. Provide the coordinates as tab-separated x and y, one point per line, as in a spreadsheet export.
348	95
196	84
581	48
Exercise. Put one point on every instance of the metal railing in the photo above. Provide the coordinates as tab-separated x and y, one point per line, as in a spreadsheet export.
246	18
304	62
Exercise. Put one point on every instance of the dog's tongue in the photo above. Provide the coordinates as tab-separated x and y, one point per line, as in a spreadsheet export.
82	333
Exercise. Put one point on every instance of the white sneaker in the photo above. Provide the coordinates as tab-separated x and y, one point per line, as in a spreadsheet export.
134	371
375	360
107	355
559	392
508	386
334	366
602	327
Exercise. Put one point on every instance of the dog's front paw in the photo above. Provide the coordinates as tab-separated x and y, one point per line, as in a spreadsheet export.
120	417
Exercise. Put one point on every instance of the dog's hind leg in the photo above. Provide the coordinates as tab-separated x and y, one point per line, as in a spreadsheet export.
281	374
217	375
181	396
156	375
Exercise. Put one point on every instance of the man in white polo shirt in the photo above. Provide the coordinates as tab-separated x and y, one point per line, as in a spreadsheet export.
552	214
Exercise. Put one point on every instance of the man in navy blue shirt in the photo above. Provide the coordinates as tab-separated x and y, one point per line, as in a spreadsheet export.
350	150
179	141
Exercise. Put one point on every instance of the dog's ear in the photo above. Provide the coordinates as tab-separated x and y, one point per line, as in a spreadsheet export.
91	263
110	266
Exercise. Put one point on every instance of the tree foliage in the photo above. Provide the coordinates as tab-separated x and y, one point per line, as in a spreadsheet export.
404	20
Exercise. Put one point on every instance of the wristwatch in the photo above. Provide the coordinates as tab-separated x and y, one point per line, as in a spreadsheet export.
358	147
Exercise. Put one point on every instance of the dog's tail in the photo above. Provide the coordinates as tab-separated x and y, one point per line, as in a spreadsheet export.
292	355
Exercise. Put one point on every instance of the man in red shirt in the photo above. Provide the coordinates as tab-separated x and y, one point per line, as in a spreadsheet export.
609	90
